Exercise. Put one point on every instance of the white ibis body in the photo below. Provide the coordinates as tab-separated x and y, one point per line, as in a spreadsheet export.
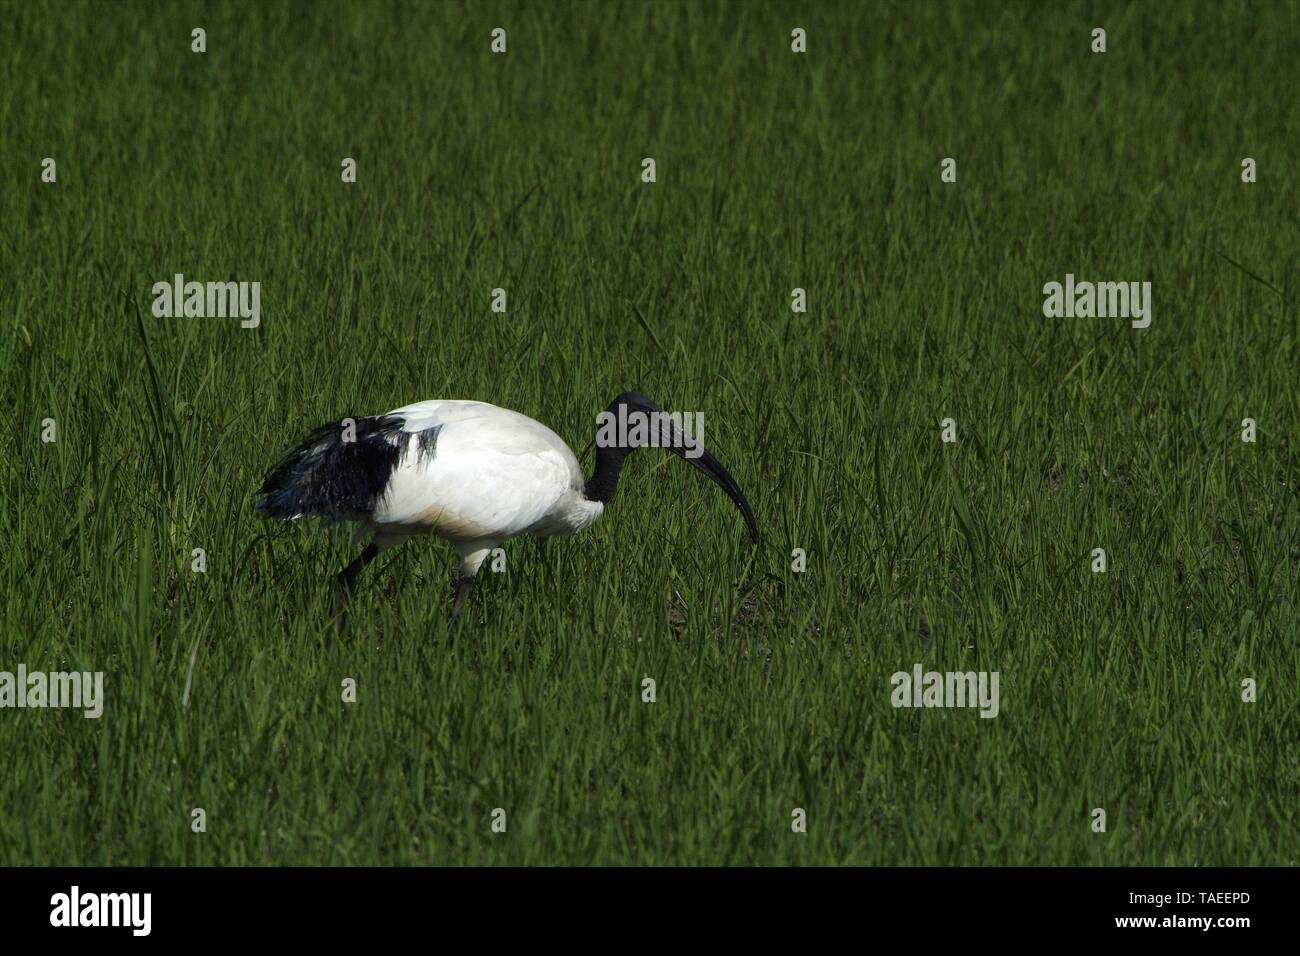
471	473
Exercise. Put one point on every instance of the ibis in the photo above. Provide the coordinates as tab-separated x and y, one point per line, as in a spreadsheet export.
471	473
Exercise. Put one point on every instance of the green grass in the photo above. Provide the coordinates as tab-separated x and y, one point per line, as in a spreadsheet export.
1119	690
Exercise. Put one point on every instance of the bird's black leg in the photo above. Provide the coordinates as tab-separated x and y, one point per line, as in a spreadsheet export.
460	588
346	579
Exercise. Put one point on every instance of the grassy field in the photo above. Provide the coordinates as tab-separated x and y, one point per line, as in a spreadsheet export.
775	170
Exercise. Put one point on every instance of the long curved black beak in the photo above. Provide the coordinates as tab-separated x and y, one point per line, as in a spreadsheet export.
611	450
706	463
691	448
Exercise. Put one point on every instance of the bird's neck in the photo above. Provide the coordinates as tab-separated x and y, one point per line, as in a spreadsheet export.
604	480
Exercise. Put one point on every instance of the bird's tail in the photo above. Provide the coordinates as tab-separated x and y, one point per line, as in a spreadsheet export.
339	471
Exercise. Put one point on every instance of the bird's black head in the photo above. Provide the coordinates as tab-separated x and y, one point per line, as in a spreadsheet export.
632	421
